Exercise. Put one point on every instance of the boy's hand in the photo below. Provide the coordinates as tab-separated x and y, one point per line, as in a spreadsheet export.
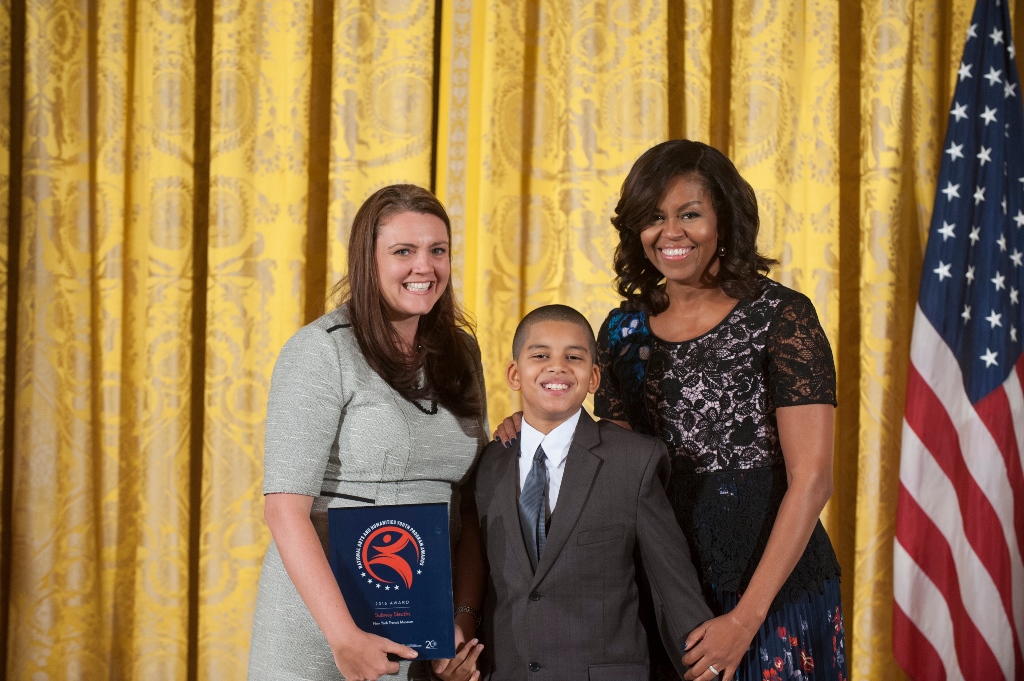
508	430
463	666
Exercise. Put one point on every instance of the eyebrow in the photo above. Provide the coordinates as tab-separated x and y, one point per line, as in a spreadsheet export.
685	205
411	245
543	346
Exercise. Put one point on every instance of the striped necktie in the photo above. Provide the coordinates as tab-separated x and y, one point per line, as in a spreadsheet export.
533	507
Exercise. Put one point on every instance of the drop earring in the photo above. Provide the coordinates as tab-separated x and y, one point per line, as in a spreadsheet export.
721	251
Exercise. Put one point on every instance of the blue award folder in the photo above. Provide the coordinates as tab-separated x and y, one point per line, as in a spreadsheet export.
393	564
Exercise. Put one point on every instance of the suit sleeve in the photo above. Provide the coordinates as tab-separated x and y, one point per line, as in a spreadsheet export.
675	588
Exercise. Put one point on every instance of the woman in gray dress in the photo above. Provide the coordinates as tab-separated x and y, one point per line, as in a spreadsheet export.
380	401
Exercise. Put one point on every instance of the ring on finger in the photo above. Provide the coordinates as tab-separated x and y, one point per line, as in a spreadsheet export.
711	668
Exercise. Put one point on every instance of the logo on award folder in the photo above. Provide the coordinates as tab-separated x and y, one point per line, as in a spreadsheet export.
378	555
391	553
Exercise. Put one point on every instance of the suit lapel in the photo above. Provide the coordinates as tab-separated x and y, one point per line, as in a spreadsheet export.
508	504
581	466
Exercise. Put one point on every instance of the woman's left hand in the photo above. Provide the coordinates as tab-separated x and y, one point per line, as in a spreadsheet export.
508	430
720	643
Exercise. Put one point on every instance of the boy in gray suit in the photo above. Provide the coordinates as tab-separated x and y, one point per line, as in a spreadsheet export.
565	513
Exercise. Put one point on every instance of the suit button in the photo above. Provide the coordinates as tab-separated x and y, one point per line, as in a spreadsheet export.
534	667
535	596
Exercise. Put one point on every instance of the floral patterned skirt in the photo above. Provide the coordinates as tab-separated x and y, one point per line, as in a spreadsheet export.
802	641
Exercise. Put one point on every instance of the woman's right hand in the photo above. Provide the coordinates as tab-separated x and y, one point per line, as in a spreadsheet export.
720	642
364	657
508	430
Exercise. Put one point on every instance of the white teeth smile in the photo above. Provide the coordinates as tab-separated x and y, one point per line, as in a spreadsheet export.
556	386
418	285
672	252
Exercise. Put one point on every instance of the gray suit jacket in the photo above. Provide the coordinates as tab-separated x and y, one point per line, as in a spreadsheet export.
576	617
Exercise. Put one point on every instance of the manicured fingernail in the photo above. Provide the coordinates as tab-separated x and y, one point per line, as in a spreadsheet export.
507	444
512	441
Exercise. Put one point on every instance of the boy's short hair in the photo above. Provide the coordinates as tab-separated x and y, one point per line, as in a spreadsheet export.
552	313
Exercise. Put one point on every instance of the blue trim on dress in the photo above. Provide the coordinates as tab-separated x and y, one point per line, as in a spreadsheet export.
629	345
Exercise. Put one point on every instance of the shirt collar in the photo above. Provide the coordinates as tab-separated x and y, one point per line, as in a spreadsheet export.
556	443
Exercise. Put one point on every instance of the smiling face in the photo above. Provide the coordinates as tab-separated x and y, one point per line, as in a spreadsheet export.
413	264
682	239
555	371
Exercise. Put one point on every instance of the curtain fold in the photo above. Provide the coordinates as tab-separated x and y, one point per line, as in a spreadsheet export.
100	479
6	57
160	142
690	63
255	290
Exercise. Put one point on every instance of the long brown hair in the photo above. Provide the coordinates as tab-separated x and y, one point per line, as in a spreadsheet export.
740	269
440	350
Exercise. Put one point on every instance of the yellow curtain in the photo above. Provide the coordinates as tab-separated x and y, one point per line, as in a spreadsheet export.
102	403
382	108
5	191
534	147
180	178
260	76
5	206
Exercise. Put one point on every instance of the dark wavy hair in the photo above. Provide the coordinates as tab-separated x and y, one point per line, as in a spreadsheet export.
741	269
441	349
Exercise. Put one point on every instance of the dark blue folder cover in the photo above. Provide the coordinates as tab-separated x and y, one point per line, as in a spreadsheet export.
393	564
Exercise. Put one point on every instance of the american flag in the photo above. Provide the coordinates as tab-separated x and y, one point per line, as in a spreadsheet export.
958	576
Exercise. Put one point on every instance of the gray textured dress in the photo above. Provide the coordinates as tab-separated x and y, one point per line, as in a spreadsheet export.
335	427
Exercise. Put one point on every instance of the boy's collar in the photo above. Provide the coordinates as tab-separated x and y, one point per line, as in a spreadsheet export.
558	438
574	417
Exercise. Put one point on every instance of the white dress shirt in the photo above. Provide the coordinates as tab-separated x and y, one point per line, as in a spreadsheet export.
556	447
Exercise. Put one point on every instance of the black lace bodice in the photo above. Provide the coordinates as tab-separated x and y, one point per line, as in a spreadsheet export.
712	400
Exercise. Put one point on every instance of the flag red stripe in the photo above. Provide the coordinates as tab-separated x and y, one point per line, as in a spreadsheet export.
1017	421
927	416
994	412
913	651
925	543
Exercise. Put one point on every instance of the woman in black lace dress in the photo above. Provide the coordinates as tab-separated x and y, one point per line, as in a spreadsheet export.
735	374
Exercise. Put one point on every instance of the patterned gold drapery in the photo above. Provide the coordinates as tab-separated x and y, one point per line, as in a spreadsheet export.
179	177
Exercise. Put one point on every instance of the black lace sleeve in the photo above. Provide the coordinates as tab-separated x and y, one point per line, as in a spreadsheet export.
800	365
608	398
